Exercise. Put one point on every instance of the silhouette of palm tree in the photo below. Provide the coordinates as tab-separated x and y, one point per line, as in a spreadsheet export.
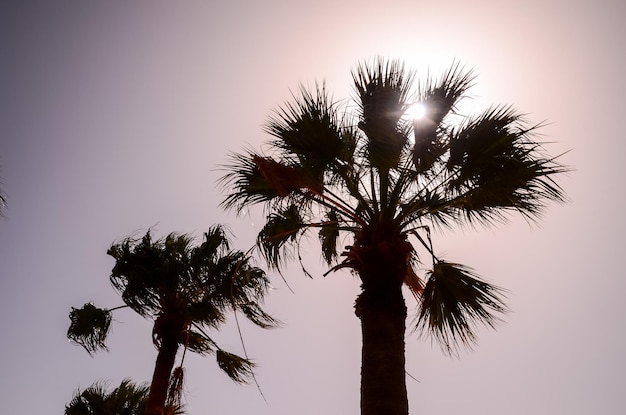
185	290
383	181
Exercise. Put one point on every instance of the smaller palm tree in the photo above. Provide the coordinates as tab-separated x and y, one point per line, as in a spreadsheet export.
186	291
126	399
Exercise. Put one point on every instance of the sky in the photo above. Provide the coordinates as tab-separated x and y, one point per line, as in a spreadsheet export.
116	116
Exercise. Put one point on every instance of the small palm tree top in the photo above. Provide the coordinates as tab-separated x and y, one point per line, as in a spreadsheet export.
126	399
181	287
386	179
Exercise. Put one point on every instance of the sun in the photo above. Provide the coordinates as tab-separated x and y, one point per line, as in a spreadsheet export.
416	111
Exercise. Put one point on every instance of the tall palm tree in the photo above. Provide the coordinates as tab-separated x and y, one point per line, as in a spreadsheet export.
381	181
126	399
186	290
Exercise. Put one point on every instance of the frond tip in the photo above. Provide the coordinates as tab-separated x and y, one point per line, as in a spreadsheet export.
89	327
454	301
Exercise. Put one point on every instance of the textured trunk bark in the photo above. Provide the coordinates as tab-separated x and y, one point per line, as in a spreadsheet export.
383	380
161	377
380	256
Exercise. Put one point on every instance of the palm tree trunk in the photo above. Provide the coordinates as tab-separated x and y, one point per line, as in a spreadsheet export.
161	377
383	381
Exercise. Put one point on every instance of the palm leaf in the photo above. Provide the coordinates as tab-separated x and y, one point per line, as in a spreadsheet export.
236	367
308	129
126	399
246	184
454	301
441	97
175	389
439	100
88	402
329	234
281	228
496	166
255	314
383	88
139	272
206	310
286	179
198	342
411	280
89	327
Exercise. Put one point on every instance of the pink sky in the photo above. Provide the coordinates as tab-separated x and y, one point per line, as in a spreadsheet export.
115	116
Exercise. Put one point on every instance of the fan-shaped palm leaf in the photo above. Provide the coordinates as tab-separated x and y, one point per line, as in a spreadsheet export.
440	100
454	301
383	88
308	130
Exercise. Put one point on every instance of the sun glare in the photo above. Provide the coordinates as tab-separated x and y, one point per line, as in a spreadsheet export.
416	111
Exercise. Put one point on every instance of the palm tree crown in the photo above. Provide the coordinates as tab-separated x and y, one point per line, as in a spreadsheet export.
384	180
186	290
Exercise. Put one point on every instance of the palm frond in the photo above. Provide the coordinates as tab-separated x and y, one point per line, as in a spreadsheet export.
439	99
255	314
495	166
198	342
413	282
88	401
281	228
131	398
205	309
175	390
237	368
127	399
308	130
214	244
138	272
89	327
284	178
245	183
249	282
329	235
383	88
454	302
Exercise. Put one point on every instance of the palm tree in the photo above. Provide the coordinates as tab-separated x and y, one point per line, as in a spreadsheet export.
185	290
381	181
126	399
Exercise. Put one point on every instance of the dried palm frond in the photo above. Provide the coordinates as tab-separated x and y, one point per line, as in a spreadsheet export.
175	389
413	282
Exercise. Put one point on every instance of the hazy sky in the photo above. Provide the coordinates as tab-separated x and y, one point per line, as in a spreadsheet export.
114	117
